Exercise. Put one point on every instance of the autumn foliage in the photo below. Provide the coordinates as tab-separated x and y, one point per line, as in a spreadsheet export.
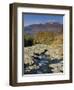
43	38
49	38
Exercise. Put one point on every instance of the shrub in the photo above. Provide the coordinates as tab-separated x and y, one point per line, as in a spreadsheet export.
43	38
28	40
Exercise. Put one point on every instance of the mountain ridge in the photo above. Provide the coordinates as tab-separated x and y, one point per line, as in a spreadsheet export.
49	27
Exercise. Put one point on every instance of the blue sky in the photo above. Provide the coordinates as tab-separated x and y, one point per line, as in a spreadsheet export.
30	19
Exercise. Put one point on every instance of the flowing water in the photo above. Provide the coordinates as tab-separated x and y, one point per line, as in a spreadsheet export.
42	61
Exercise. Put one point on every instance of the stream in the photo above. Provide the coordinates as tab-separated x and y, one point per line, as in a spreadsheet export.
42	62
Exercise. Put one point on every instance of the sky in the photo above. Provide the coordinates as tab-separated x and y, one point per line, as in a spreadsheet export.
30	19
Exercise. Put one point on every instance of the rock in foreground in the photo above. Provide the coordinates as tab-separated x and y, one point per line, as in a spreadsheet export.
42	58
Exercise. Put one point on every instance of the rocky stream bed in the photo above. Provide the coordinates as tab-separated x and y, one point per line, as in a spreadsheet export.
42	58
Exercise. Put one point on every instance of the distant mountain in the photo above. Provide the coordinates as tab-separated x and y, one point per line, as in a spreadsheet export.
47	27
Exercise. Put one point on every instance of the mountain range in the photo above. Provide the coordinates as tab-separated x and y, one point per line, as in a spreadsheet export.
47	27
